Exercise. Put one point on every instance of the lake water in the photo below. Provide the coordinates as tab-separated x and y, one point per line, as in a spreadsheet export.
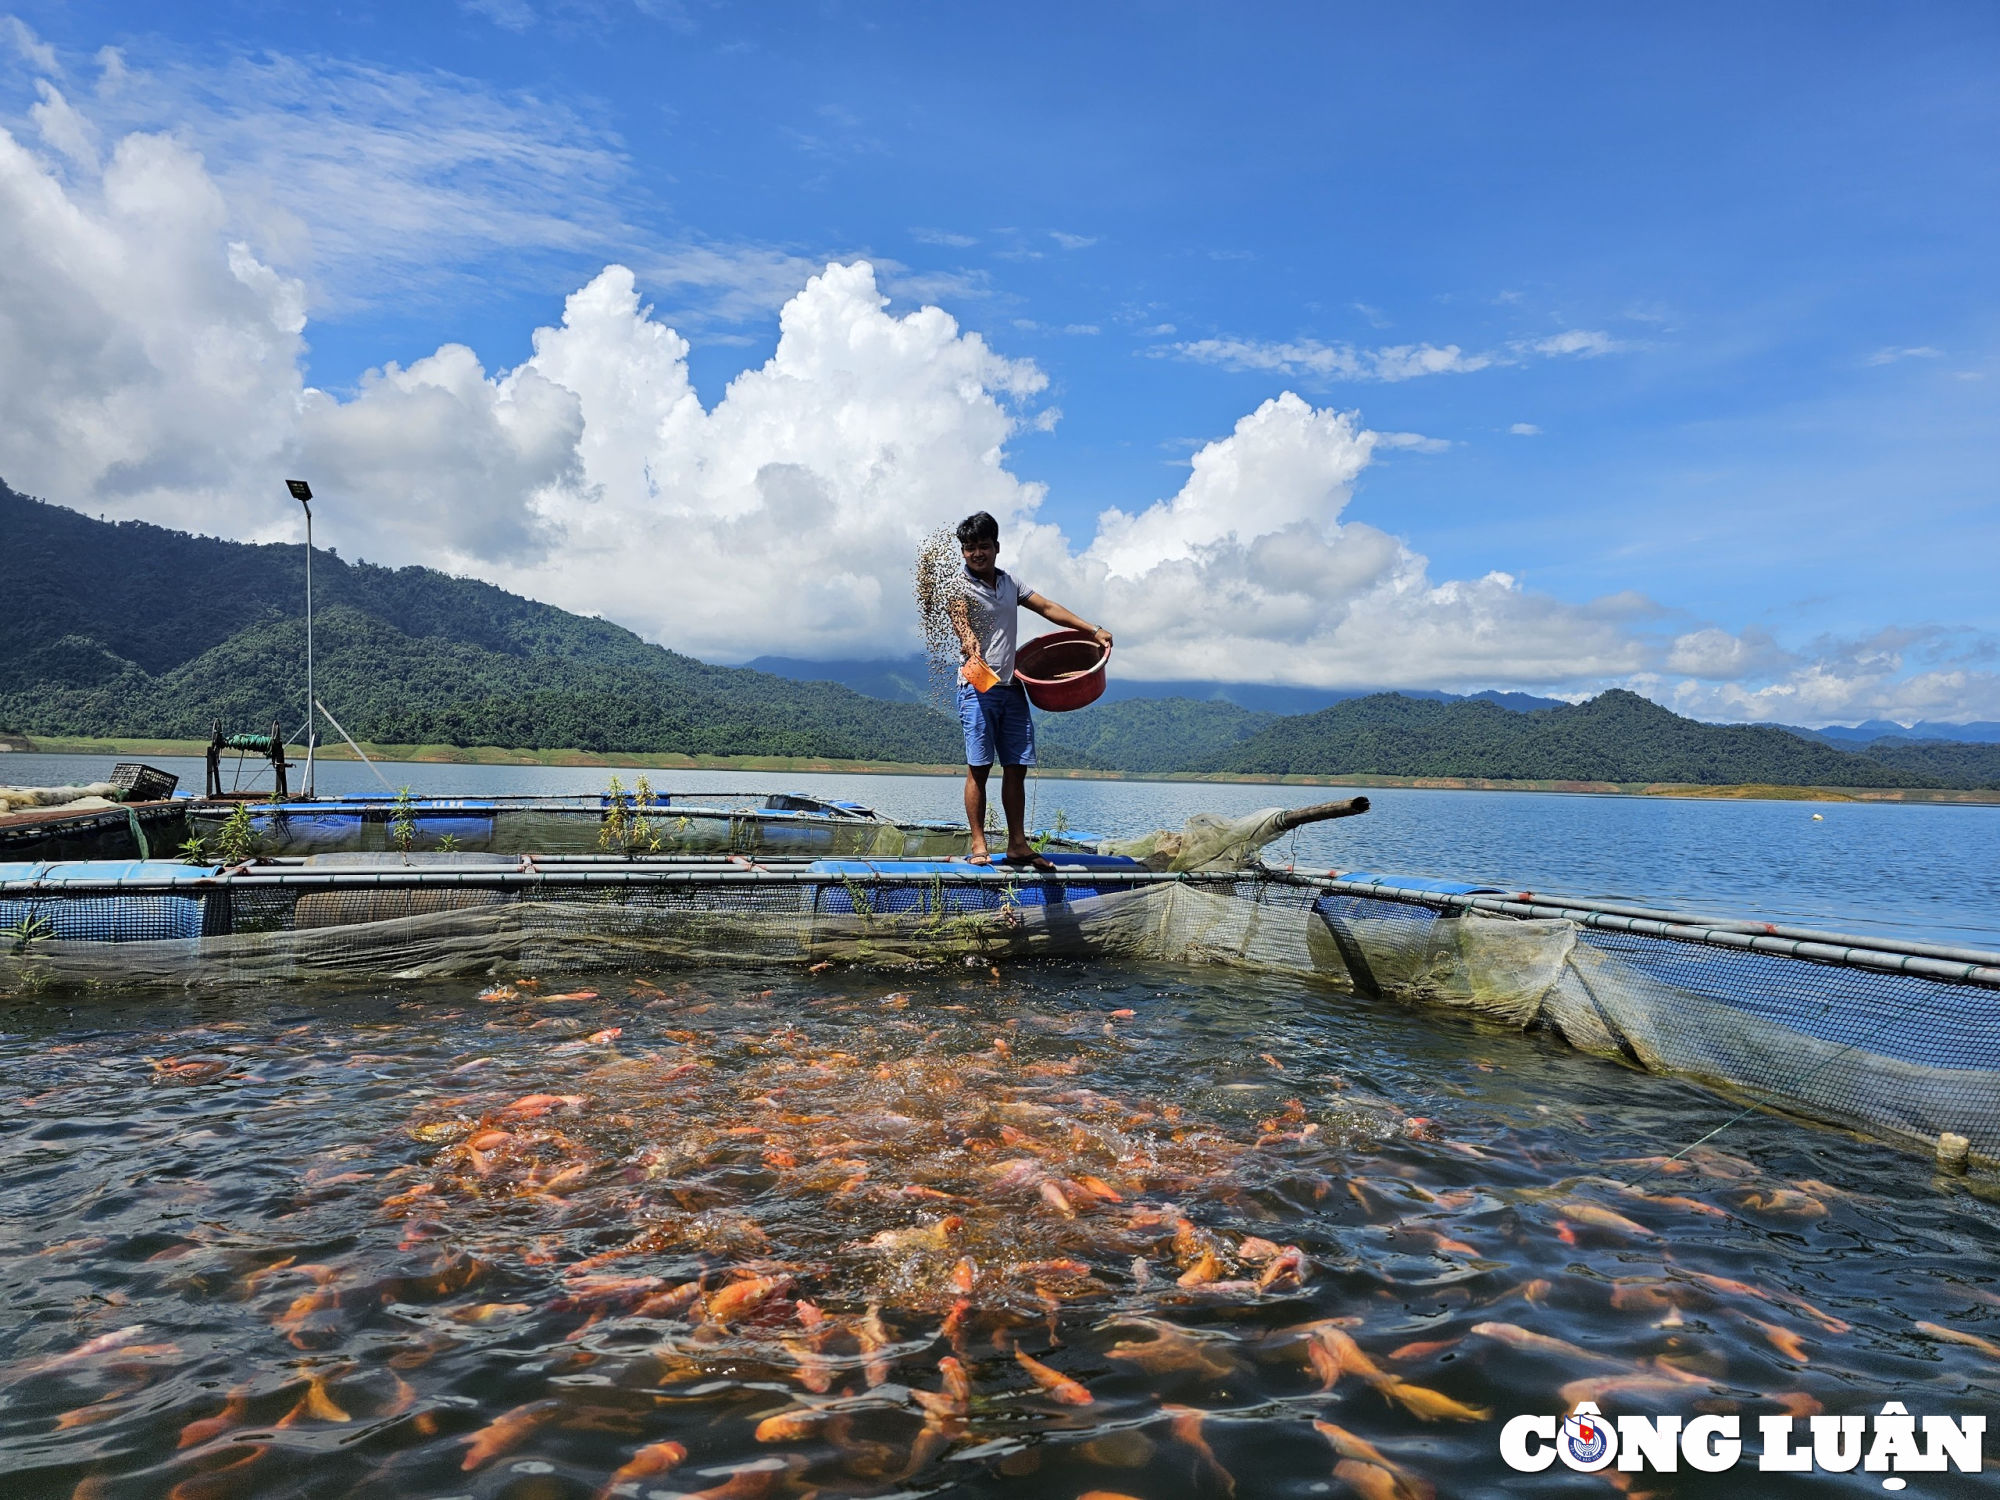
1061	1230
1065	1231
1924	871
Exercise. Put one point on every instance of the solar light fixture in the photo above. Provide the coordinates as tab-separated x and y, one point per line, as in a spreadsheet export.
302	492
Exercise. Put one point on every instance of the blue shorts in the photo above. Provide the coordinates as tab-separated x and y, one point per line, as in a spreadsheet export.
996	720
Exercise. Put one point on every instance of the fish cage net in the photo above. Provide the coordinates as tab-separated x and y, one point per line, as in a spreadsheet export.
1893	1043
581	826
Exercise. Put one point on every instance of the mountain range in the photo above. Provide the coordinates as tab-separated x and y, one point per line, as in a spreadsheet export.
127	629
906	679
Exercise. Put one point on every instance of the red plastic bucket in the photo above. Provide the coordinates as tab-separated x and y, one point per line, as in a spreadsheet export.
1062	671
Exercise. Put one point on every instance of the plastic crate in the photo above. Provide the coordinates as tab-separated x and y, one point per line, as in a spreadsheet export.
143	783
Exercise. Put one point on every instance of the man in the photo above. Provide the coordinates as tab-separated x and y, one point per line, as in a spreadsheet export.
992	705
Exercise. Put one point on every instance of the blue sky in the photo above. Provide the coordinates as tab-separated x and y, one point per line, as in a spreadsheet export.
1715	286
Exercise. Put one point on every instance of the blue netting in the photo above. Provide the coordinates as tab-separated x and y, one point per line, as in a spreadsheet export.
106	919
901	900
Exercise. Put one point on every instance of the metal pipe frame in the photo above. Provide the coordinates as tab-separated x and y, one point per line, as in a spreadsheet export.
1971	967
251	878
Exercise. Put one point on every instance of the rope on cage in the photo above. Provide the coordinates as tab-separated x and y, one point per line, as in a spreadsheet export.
1751	1109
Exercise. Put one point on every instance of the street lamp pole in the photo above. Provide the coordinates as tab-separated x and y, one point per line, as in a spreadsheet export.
302	492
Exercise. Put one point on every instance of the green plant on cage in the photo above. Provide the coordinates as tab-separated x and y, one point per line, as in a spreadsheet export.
195	850
403	821
1060	826
23	935
616	821
642	833
864	905
237	840
448	844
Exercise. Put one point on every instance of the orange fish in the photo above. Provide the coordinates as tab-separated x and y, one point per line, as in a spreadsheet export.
99	1345
506	1433
1064	1267
535	1105
815	1373
1427	1405
1206	1269
1057	1384
1825	1320
103	1408
741	1298
951	1403
488	1312
1782	1339
405	1199
793	1426
1171	1351
1599	1217
1348	1445
1540	1343
569	1177
1423	1349
1369	1481
1953	1336
1288	1268
1099	1188
1185	1424
1334	1353
1785	1201
669	1303
315	1404
873	1338
1691	1205
953	1330
1053	1196
654	1458
1357	1453
232	1415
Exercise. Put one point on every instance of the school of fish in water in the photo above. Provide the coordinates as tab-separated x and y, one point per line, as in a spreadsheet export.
998	1232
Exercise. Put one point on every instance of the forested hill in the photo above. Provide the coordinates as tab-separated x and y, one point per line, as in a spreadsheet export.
130	629
1617	736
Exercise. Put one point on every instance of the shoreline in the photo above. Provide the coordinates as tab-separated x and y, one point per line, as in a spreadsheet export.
490	755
